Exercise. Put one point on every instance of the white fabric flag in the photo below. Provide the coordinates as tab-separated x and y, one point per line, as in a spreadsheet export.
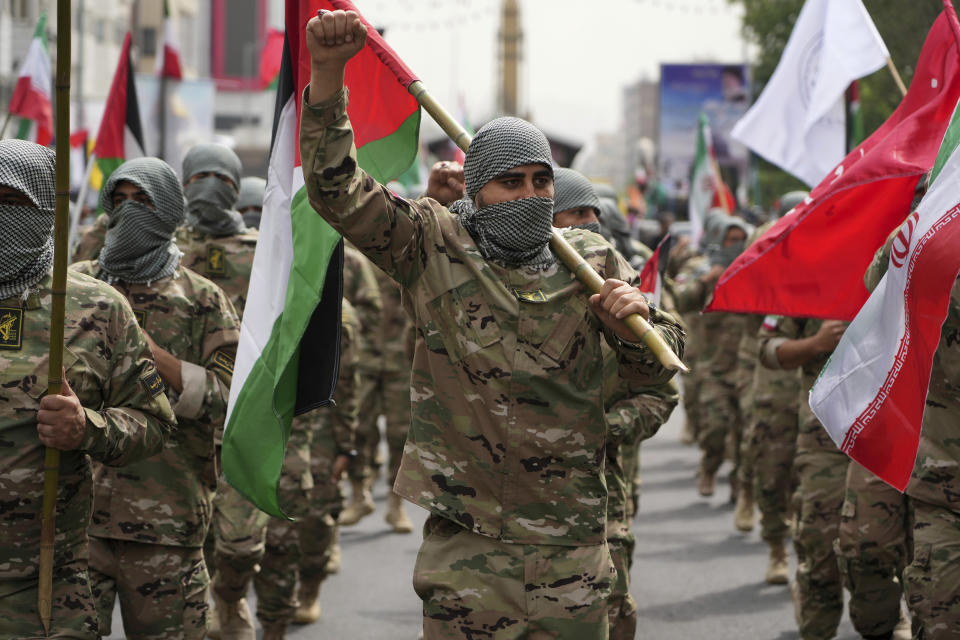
798	121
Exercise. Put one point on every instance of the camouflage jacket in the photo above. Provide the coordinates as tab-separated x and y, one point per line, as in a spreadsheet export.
361	288
227	260
507	432
167	499
936	473
811	436
397	325
109	367
91	240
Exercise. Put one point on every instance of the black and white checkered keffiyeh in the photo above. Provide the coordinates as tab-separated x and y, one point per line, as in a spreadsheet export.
139	245
572	190
26	253
501	145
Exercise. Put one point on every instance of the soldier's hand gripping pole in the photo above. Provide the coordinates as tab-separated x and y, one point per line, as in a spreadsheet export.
51	464
573	260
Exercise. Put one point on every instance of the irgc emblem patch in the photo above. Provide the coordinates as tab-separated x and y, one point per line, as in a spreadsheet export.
11	326
530	296
216	265
151	381
141	317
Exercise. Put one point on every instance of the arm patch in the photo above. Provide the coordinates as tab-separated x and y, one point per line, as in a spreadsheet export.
223	361
152	382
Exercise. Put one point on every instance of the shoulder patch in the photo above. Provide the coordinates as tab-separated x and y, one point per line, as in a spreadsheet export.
152	382
223	361
530	296
11	328
141	317
216	263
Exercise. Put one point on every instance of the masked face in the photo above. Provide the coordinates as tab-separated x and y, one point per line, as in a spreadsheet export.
209	197
27	241
515	232
135	230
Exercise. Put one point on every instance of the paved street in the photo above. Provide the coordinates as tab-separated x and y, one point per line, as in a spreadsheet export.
694	576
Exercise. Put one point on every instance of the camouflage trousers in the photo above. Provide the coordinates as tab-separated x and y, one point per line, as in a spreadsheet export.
773	445
692	383
819	496
622	608
385	393
720	419
162	589
298	550
932	579
872	549
74	613
239	532
473	587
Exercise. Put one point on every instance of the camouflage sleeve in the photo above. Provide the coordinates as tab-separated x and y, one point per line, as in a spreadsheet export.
344	417
206	383
135	418
774	331
690	295
638	364
360	287
394	233
640	415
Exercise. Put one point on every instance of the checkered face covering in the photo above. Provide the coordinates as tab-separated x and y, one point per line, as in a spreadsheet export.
571	190
501	145
139	245
26	253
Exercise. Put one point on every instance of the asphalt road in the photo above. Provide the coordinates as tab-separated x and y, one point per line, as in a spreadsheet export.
694	576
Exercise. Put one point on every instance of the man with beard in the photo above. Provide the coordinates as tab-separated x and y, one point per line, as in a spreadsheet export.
111	407
507	434
150	518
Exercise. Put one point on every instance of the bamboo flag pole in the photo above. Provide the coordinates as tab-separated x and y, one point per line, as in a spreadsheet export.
573	260
896	76
51	465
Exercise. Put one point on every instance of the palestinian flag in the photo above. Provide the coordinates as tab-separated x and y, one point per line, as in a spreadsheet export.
31	95
120	137
288	356
871	395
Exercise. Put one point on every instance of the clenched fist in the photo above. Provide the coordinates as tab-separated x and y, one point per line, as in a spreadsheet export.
332	39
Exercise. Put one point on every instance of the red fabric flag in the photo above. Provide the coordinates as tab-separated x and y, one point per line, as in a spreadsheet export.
811	263
651	276
271	58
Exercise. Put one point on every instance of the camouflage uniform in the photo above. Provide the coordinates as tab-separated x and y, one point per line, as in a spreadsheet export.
108	366
773	442
301	549
91	240
689	304
821	470
238	527
150	518
507	436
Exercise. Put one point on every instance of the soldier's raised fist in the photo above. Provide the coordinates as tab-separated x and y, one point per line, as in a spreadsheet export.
334	37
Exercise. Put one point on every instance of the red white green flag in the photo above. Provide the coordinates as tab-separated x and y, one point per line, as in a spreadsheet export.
120	137
168	60
31	95
293	304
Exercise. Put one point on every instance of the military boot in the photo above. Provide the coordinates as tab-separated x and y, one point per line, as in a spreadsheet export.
274	631
778	569
743	515
333	562
396	517
361	503
234	619
706	483
309	596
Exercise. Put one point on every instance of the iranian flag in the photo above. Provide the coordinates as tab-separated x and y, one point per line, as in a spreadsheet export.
811	262
31	95
168	61
120	137
651	276
706	187
871	395
288	354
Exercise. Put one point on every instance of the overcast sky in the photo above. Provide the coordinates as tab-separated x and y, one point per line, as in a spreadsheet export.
577	55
